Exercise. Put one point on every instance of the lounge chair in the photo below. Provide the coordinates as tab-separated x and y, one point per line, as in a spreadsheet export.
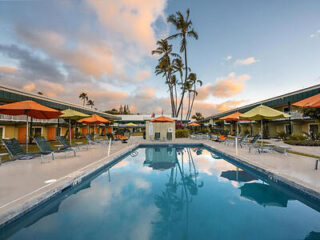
243	140
46	149
91	141
65	143
221	139
254	143
16	151
121	138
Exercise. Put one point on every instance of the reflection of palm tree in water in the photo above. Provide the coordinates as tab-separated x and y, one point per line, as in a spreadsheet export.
175	199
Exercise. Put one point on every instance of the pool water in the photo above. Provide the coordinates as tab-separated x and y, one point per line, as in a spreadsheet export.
171	193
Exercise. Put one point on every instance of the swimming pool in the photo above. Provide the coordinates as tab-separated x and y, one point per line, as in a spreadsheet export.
174	192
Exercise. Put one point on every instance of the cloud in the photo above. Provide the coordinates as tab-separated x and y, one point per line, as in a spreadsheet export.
146	93
208	109
132	20
316	34
8	69
224	87
29	87
228	58
246	61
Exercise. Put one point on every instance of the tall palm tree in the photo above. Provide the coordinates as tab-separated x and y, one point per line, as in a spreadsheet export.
90	103
184	27
84	97
194	80
164	49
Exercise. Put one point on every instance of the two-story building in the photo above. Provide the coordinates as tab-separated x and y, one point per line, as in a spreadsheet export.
297	124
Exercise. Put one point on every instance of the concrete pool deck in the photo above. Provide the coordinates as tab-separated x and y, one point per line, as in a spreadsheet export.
26	183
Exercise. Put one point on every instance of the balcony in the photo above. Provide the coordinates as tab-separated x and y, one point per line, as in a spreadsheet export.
21	118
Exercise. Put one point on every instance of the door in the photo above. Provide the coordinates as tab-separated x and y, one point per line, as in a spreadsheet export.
22	134
51	133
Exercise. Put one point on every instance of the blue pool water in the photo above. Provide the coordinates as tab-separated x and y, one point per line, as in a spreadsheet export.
172	193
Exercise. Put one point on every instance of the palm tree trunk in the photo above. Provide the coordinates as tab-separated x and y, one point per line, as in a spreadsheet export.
193	97
188	106
175	90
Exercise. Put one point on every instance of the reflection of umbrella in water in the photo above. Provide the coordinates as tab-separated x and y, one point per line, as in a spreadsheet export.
239	176
264	194
313	236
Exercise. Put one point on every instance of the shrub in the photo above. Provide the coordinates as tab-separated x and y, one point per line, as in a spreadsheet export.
182	133
303	142
299	137
245	132
282	135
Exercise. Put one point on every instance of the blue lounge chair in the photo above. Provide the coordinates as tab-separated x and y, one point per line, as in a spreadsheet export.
46	149
16	151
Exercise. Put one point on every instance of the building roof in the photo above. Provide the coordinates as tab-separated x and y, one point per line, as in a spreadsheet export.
13	95
140	118
283	99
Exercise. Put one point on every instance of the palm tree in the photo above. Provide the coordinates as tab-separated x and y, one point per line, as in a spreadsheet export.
193	79
197	116
184	27
84	97
90	103
164	67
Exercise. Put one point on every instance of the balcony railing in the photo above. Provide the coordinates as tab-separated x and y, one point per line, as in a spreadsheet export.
22	118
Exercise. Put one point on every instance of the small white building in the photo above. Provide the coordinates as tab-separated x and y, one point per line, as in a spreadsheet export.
161	128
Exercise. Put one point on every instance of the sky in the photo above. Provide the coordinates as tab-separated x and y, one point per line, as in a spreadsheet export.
247	50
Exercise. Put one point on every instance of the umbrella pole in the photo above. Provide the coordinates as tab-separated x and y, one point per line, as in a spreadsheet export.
236	138
261	129
27	134
70	131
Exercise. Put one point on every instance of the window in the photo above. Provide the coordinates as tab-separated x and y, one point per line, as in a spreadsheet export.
287	129
286	109
313	130
36	131
1	132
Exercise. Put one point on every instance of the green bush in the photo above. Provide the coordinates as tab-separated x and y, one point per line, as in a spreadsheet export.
303	142
282	135
246	132
299	137
182	133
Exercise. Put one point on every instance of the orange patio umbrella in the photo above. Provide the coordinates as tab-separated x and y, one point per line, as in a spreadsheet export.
30	109
93	120
313	101
162	119
235	118
193	125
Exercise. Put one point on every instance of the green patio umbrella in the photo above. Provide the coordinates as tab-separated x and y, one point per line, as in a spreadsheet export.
70	114
264	194
262	112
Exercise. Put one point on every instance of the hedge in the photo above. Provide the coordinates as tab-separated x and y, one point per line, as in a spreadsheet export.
303	142
182	133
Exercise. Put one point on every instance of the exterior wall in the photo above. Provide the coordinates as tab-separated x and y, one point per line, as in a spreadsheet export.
161	127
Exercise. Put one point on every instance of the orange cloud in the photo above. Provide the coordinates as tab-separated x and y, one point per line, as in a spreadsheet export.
246	61
229	86
224	87
132	19
29	87
8	69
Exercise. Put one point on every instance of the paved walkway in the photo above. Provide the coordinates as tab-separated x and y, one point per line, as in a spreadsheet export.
22	181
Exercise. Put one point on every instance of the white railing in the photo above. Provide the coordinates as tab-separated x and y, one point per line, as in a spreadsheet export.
22	118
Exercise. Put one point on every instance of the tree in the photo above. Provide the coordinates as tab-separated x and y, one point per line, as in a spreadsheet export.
193	80
197	116
90	103
84	97
184	27
164	67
